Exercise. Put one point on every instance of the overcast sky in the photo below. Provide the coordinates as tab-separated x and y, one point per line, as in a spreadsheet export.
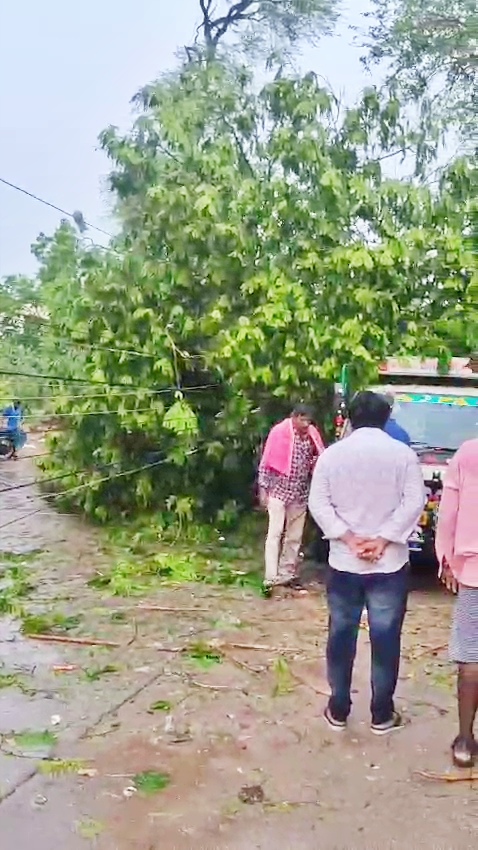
67	70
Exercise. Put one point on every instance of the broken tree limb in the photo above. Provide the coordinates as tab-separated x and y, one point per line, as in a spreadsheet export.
321	691
171	610
78	641
429	650
465	776
221	645
244	666
257	646
207	687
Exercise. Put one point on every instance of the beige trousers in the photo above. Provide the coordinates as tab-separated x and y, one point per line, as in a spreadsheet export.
284	536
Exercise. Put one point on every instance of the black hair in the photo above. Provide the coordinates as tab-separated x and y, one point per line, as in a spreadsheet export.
303	410
368	410
17	403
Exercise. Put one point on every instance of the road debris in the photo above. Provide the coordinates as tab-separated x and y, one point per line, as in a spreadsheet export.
251	794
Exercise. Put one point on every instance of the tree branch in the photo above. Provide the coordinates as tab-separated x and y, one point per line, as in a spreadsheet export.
236	13
206	19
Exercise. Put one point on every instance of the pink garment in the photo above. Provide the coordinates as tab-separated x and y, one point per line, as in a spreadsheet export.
277	454
457	529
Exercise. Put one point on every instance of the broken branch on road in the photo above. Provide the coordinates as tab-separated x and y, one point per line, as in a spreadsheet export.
78	641
465	776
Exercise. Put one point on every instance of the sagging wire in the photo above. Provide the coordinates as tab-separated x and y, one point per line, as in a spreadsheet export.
64	380
42	481
93	413
75	216
63	341
90	484
83	395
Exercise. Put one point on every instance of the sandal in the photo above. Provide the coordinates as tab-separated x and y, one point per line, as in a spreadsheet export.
463	752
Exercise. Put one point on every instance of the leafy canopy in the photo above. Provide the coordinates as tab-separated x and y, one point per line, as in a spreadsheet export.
262	248
431	49
263	27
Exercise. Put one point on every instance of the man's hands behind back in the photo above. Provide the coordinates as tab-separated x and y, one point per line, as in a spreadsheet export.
365	548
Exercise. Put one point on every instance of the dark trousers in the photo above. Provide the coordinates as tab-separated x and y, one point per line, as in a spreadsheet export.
385	598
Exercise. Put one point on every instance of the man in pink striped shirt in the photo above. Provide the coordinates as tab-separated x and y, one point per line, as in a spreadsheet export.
457	552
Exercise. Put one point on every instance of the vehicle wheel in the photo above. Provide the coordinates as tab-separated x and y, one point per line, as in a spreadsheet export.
6	451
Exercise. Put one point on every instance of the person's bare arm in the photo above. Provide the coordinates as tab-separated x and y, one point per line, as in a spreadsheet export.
447	521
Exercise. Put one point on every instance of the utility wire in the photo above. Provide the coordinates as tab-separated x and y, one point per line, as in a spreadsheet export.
63	340
93	413
83	395
53	207
99	383
52	478
89	484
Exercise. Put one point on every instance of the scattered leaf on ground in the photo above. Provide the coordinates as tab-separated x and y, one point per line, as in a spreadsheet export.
203	655
160	705
251	794
45	624
95	673
283	682
149	781
54	767
30	739
8	680
89	828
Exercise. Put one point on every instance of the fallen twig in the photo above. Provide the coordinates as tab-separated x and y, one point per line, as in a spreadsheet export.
207	687
257	646
168	609
244	665
471	776
221	645
290	804
135	633
73	640
429	650
307	684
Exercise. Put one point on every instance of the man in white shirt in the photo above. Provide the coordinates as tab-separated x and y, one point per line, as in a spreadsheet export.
366	495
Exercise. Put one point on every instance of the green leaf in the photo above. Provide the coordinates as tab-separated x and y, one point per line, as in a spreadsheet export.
30	739
150	782
160	705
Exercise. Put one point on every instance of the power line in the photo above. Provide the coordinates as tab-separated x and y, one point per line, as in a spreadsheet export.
90	484
54	207
24	484
65	380
64	341
106	396
83	395
94	413
60	378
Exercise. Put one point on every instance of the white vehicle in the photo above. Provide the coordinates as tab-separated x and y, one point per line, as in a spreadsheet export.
438	412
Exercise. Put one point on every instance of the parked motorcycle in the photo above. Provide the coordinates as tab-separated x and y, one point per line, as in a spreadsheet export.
10	443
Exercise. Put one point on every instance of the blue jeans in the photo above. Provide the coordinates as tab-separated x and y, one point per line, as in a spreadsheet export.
384	595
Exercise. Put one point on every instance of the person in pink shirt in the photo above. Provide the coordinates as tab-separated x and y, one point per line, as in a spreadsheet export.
285	470
457	552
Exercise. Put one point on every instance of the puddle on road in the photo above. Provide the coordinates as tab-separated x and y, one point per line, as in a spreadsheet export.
26	707
18	654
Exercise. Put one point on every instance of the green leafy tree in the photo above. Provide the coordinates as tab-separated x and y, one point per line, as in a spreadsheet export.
263	27
262	248
20	331
36	337
431	49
